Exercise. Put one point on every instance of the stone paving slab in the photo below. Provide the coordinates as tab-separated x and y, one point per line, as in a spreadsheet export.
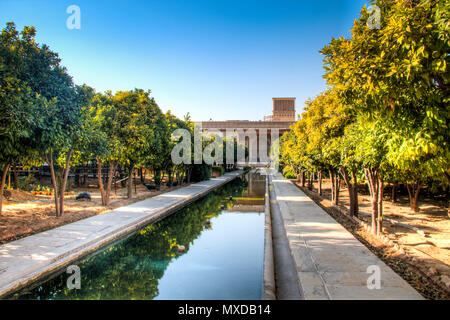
25	260
331	263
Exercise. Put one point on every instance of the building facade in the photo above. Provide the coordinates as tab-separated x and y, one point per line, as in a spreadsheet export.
258	135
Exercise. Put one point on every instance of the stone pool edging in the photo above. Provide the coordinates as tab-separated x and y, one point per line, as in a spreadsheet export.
11	283
331	264
268	267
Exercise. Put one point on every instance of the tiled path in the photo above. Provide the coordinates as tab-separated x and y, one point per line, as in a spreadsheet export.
331	263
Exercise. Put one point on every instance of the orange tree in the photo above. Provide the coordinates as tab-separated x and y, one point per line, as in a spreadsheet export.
396	80
17	99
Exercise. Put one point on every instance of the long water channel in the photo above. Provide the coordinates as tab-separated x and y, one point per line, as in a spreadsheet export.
223	239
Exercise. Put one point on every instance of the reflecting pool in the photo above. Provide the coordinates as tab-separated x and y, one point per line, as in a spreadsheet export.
223	236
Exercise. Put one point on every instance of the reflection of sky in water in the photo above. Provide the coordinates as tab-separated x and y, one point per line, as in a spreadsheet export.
223	260
229	257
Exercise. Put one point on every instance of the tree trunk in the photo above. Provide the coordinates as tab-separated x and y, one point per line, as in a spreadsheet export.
380	187
135	183
351	187
303	178
170	178
355	194
111	174
130	182
394	192
320	182
332	185
413	191
2	184
189	171
16	177
373	183
49	160
337	186
64	183
416	199
310	182
100	181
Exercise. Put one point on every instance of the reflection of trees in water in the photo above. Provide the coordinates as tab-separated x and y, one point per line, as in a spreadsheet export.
131	269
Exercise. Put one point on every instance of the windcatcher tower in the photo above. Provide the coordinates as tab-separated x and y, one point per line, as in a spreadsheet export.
284	109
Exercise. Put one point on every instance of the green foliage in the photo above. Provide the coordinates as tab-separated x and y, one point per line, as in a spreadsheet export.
157	179
18	112
398	77
314	141
289	173
200	172
27	183
393	84
45	117
386	107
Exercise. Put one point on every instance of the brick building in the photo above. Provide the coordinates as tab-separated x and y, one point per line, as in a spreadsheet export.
283	116
284	109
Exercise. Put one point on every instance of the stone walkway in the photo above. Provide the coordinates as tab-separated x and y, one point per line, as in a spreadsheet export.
331	263
25	260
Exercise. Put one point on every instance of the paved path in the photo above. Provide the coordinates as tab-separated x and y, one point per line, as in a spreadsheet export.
331	263
25	260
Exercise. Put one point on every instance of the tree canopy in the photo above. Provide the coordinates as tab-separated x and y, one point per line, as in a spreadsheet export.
385	113
47	119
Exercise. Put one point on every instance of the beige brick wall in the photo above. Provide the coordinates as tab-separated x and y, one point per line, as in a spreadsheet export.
284	109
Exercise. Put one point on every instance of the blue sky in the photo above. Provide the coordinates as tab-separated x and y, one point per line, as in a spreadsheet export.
217	59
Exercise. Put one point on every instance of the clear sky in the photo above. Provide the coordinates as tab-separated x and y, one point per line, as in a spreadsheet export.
217	59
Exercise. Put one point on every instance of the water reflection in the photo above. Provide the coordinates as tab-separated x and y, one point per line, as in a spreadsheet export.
252	198
222	259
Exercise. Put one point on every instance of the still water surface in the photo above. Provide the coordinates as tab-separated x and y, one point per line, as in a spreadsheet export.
224	241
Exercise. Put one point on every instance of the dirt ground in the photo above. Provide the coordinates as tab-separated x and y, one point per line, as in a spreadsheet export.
24	213
430	254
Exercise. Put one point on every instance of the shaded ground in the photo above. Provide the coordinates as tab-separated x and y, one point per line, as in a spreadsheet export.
426	262
26	214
